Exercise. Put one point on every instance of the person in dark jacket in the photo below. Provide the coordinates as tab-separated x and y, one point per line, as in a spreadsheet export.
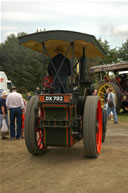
63	71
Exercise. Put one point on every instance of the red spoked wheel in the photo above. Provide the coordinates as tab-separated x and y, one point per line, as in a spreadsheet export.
99	127
34	135
92	127
48	81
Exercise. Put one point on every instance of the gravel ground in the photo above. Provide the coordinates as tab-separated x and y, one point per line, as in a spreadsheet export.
63	170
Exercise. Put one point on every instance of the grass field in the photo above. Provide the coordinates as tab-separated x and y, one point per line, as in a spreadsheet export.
123	117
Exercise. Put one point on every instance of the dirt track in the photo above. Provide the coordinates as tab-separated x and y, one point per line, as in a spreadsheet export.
65	170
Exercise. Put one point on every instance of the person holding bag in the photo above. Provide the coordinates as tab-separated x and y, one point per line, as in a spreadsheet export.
111	107
3	115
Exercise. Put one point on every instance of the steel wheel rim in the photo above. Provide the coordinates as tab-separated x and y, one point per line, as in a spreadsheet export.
99	127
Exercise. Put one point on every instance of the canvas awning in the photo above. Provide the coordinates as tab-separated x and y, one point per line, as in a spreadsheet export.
63	38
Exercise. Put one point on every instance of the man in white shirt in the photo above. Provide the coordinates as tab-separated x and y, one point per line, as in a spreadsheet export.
15	104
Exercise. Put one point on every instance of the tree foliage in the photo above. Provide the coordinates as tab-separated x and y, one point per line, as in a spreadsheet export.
123	51
24	66
111	54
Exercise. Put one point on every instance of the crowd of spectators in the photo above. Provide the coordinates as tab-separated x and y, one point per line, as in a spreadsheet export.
12	110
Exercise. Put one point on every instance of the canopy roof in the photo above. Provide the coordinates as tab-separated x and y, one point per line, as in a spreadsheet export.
63	38
122	66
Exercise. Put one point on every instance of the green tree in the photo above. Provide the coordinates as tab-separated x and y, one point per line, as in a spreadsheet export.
111	54
123	51
23	66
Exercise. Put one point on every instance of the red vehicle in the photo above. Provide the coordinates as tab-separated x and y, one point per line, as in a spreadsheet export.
116	77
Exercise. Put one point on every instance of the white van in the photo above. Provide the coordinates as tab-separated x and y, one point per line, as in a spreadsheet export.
5	84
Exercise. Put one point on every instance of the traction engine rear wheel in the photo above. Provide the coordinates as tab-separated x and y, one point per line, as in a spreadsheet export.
92	127
115	88
34	135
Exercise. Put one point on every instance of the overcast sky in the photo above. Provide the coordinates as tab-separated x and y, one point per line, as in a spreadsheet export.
106	19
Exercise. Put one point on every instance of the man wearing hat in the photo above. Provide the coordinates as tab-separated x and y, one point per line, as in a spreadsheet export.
3	112
15	104
63	67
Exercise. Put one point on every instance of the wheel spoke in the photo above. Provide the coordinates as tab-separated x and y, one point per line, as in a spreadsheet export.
39	138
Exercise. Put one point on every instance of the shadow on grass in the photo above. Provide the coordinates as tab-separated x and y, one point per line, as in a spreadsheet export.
123	116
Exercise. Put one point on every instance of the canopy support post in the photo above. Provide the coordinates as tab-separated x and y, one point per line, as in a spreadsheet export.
43	46
72	65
